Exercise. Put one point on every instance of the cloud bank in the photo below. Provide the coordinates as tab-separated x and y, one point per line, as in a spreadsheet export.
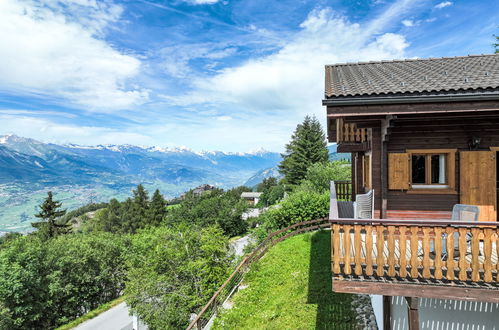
56	49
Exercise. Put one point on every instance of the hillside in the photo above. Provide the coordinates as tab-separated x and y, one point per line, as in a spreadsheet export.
79	175
290	288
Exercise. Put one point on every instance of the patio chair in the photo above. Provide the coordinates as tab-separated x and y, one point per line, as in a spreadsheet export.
364	205
465	213
362	208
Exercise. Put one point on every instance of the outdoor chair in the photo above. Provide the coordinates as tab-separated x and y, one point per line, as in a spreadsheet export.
465	213
362	208
364	205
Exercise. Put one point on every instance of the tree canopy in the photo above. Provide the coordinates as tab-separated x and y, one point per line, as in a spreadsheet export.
307	146
49	213
173	271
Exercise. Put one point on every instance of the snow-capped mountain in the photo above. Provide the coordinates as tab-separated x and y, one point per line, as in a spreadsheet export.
73	162
82	174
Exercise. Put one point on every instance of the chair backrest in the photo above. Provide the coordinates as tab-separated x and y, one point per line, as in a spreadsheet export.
462	212
364	205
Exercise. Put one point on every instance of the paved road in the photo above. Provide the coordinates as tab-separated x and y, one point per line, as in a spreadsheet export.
240	244
116	318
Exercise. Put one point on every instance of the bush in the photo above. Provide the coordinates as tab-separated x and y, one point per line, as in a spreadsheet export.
299	206
320	175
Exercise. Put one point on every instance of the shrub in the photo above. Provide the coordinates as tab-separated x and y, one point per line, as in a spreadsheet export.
299	206
320	175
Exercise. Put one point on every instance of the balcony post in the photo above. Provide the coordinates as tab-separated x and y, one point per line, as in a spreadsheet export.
413	312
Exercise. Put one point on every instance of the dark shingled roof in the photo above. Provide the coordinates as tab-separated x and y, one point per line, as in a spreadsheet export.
473	72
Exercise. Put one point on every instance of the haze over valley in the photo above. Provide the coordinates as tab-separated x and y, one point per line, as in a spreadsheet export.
79	175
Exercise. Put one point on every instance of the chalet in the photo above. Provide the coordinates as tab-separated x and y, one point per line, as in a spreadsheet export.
424	140
251	197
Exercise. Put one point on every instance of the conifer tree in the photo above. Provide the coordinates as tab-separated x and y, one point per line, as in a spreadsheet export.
49	212
157	209
307	146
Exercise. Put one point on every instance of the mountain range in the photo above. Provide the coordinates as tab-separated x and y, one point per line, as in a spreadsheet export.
78	175
82	174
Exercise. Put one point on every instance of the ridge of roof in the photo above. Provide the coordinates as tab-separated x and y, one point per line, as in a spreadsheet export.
411	60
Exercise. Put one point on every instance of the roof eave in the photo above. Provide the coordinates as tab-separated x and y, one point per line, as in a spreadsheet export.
408	99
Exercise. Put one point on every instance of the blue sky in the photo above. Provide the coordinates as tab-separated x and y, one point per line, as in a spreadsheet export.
206	74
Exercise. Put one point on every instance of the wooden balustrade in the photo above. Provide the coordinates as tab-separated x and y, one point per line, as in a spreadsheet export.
343	190
346	132
417	249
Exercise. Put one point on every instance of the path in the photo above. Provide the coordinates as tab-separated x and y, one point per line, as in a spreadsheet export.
116	318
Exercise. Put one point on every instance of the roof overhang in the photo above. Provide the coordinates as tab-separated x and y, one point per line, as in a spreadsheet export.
410	99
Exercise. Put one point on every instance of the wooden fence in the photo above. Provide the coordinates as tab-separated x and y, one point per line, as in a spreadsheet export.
231	284
417	249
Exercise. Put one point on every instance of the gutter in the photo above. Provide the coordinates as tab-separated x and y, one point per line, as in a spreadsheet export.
410	99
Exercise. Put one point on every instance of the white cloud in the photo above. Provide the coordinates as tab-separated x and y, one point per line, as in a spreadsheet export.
444	4
291	81
175	59
48	131
202	2
56	49
408	23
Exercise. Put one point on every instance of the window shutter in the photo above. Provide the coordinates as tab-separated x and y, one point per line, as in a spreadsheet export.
398	171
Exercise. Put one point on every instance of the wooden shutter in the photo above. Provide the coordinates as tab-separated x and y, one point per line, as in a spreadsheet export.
398	171
478	182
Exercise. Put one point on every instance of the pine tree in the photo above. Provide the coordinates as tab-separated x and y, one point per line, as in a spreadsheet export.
49	212
138	209
307	146
157	209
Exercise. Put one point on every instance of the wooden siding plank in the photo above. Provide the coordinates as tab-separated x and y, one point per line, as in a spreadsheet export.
463	264
414	252
347	269
403	252
336	248
380	242
391	250
357	247
437	243
369	250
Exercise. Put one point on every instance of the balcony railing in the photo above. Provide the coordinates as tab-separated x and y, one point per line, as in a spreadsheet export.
434	251
349	133
343	190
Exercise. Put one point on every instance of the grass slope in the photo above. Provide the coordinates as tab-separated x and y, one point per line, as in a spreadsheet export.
290	288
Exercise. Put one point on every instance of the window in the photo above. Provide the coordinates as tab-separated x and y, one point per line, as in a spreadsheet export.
432	169
428	169
423	171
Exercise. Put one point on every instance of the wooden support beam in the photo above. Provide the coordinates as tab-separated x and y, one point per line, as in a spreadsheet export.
387	312
413	312
416	290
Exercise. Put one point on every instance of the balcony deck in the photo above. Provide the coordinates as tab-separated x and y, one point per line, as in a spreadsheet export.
417	258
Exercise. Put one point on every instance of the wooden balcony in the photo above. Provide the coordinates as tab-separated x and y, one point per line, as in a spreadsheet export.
343	190
349	137
416	258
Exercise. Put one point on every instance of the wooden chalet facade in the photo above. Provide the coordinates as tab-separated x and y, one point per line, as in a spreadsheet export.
424	135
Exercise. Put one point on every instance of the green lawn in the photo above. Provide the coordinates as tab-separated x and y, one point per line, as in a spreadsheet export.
290	288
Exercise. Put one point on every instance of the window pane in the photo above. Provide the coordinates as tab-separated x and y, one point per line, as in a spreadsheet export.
418	169
438	169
